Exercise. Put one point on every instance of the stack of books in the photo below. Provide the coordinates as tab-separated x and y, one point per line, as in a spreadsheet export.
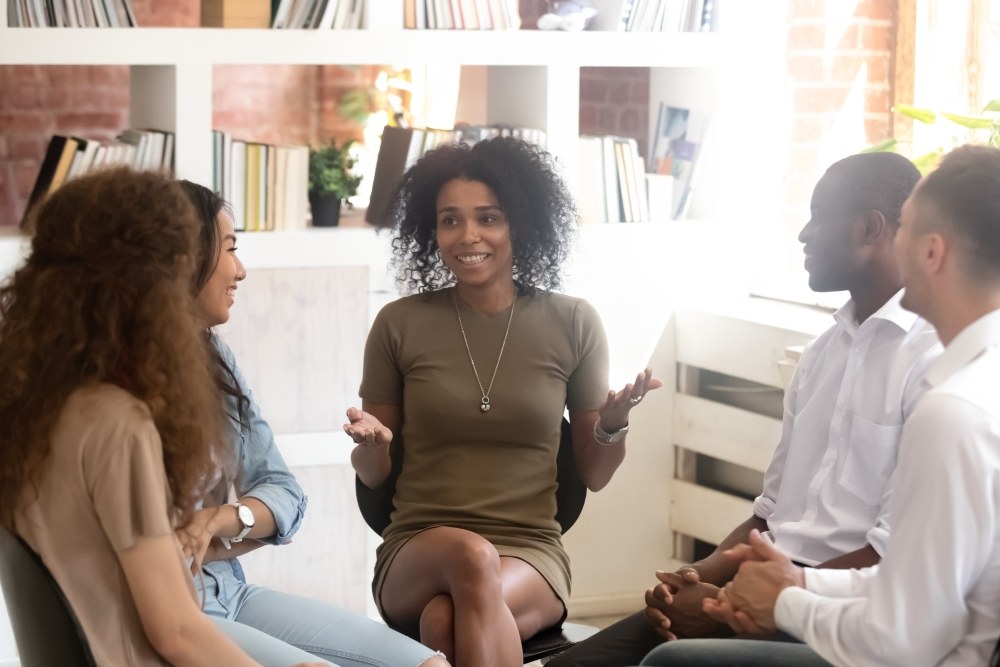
266	185
612	180
402	146
461	14
319	14
70	14
69	157
669	15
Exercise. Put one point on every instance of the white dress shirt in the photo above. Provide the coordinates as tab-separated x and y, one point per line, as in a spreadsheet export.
827	487
935	597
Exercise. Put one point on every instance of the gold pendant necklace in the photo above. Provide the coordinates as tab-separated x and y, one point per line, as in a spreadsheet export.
484	405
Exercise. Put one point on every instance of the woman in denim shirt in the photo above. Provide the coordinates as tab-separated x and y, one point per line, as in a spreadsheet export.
274	628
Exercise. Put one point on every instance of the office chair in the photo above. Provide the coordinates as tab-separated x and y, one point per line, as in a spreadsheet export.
376	507
45	628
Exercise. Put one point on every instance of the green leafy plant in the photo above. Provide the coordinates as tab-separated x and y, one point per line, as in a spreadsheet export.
985	126
330	171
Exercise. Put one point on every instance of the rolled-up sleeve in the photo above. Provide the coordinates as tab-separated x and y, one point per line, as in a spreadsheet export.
261	471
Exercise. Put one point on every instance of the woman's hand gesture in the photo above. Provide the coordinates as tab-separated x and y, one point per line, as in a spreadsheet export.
614	412
365	429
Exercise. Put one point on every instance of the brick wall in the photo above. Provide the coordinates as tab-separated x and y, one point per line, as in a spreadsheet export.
615	100
840	76
274	103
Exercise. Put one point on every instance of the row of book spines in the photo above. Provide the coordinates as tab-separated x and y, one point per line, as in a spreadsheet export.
317	14
70	14
266	185
461	14
612	180
68	157
669	15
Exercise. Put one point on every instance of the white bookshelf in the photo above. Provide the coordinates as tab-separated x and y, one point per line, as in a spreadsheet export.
533	76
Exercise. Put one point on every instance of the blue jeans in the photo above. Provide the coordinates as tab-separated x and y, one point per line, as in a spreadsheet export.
278	630
733	653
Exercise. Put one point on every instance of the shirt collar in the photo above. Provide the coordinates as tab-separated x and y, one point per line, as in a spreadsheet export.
971	342
891	311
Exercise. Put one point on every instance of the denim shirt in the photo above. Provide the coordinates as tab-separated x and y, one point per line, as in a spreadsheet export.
259	472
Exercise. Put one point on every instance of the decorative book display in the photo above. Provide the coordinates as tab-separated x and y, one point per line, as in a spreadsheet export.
69	157
461	14
70	14
318	14
677	145
236	13
668	15
612	182
265	184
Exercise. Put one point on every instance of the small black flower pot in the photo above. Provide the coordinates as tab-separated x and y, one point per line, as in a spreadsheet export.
325	209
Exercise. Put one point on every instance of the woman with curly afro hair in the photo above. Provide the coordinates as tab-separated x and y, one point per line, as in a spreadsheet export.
111	425
474	372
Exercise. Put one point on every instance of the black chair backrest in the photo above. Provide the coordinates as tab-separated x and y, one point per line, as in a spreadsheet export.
376	504
45	628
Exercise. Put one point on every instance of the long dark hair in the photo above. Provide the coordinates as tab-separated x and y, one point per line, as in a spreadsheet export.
208	205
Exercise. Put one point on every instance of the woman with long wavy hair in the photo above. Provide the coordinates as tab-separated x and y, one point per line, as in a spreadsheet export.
111	428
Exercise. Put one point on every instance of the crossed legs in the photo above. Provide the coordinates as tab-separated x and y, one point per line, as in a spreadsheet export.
451	588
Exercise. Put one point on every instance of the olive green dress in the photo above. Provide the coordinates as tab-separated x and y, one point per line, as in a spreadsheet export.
492	473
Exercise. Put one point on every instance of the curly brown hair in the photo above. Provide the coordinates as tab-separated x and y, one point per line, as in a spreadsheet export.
105	297
526	182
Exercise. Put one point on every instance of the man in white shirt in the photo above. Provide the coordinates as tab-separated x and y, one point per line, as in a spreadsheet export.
935	597
826	489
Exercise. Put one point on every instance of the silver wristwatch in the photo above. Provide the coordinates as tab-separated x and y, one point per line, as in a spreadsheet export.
246	518
605	438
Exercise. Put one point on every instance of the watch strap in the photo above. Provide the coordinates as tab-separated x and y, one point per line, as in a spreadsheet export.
605	438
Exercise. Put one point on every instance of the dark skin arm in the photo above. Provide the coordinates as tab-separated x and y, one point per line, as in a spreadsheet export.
673	607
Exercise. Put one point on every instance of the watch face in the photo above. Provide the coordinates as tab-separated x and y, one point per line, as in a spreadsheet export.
246	515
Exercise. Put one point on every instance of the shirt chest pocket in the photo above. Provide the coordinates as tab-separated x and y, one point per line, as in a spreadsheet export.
871	457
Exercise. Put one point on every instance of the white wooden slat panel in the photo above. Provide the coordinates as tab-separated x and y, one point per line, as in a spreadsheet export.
704	513
725	432
734	346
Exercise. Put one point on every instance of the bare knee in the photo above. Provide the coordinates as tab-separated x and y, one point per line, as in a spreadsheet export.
475	565
437	625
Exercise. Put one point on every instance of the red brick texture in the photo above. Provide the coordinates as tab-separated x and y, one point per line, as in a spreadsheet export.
828	61
274	103
615	100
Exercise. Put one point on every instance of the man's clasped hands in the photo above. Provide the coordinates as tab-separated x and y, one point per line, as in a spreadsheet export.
743	606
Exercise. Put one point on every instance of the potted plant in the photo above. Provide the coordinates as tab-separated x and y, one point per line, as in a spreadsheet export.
331	182
982	128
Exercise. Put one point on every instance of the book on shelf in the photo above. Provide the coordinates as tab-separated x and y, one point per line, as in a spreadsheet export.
235	13
668	15
461	14
318	14
612	180
69	157
264	184
677	146
70	14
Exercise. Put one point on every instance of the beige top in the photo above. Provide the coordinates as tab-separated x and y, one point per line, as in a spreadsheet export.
492	473
104	487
